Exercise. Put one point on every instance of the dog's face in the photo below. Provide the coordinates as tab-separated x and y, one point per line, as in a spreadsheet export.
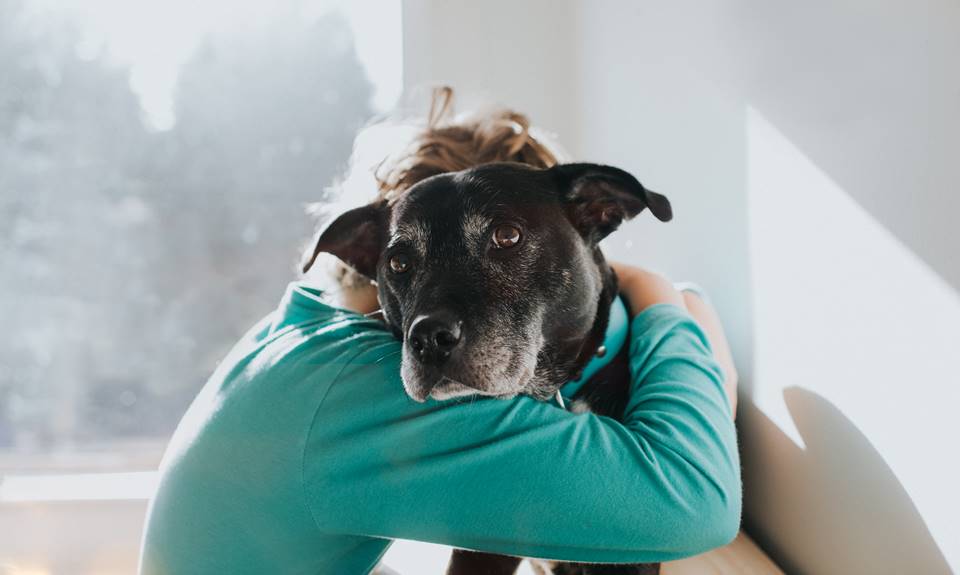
491	276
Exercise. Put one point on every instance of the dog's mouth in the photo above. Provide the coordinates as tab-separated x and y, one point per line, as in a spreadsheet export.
448	388
423	384
499	363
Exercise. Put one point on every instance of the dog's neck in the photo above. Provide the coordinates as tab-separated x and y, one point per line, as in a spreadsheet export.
554	368
595	338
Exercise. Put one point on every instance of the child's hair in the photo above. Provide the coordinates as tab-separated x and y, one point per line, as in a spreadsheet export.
449	144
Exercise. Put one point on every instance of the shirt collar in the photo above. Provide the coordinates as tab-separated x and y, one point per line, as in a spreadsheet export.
301	303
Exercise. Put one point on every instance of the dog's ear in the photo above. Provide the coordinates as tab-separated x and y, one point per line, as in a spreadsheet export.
599	198
356	237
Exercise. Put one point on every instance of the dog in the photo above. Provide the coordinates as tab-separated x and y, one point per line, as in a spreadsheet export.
494	281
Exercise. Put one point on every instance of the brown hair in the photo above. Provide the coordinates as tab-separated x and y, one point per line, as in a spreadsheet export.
448	144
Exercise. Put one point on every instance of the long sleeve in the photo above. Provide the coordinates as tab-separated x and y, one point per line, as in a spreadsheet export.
523	477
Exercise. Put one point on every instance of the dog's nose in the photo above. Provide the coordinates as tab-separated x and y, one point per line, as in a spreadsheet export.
433	337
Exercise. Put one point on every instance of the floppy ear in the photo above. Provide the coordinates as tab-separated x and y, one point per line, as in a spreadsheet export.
599	198
356	237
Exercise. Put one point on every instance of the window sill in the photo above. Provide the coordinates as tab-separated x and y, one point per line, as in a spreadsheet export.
133	485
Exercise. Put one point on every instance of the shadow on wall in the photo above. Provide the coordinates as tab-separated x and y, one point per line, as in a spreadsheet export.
839	471
844	309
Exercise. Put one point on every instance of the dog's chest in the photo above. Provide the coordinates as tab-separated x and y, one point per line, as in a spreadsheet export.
607	390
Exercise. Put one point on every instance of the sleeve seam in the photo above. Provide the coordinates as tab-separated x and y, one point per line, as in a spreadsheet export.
306	439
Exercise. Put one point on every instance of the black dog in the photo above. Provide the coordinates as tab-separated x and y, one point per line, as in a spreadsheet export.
493	279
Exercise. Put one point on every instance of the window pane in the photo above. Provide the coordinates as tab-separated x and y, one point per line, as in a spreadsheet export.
156	159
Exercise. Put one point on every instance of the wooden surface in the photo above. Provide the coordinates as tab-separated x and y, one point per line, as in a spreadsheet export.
742	557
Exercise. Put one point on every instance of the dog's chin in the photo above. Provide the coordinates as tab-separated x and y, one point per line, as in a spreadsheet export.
448	388
451	389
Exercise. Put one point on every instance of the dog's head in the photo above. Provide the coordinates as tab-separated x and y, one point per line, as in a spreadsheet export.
492	276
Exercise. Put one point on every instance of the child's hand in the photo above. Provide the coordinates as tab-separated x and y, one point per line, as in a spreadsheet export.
642	289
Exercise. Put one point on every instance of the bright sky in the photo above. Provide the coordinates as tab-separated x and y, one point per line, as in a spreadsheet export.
155	38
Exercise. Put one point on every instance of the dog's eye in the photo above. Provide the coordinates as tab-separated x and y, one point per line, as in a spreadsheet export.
506	236
399	263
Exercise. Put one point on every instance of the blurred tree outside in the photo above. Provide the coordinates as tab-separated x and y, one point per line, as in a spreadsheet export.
131	260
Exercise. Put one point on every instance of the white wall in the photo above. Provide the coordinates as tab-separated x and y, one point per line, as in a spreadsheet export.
648	107
822	136
522	54
533	56
810	152
855	389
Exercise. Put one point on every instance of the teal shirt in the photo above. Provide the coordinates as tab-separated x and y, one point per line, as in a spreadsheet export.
303	454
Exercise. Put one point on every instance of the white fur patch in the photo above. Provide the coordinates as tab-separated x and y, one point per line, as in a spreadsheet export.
474	228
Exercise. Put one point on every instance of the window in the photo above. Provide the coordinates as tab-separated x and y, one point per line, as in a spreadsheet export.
155	159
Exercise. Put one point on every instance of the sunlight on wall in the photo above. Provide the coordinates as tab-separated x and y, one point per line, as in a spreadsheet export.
845	310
